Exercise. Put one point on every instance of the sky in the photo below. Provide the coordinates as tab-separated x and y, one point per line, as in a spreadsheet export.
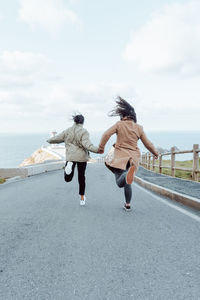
60	57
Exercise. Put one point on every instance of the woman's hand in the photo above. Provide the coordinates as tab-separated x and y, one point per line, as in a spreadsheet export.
156	155
100	151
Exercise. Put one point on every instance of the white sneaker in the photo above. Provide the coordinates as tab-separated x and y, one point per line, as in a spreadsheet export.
68	168
82	202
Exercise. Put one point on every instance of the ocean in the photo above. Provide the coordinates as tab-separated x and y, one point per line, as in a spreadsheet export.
165	140
14	148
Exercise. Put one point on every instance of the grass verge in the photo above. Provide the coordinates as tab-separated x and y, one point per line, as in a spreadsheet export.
178	173
2	180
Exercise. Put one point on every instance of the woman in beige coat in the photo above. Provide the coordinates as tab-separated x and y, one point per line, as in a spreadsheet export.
78	145
126	156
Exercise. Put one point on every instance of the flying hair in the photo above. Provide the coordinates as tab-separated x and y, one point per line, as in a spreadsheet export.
123	109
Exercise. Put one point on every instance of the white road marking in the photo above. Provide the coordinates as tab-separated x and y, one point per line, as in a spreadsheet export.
166	202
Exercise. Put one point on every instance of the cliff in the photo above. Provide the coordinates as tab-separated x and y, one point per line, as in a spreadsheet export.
39	156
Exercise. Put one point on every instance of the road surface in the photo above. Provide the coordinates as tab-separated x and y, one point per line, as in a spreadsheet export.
51	248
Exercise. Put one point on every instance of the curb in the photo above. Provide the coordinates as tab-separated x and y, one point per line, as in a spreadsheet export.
23	172
12	180
175	196
9	180
44	167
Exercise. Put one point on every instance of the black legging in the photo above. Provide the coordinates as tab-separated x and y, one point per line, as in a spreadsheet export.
81	175
120	176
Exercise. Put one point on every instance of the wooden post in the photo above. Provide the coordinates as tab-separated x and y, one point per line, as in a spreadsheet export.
160	163
153	166
145	160
195	162
149	161
173	161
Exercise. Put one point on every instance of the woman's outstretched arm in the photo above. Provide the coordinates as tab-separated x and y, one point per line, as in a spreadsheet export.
57	139
105	137
148	144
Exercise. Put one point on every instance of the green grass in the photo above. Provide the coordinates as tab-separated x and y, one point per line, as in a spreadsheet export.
178	173
2	180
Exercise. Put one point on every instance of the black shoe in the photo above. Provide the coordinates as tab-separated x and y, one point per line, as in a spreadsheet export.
126	208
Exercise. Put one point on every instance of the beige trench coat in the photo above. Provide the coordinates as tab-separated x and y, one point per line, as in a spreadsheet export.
126	149
77	143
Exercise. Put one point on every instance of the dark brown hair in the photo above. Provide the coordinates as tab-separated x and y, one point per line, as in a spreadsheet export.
78	119
123	109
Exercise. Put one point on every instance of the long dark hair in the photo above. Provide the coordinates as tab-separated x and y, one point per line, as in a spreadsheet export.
123	109
78	118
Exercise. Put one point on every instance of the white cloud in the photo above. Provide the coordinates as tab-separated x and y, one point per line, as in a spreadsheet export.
29	101
74	1
45	107
23	68
23	77
169	41
49	14
22	62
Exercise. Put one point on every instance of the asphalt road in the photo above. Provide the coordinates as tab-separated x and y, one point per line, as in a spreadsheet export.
51	248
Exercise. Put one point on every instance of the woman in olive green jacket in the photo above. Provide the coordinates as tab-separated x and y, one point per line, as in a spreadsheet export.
78	145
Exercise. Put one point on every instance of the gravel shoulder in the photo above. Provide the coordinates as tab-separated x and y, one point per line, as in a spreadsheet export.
186	187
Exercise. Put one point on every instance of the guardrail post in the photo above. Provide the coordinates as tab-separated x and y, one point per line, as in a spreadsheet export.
173	161
153	166
145	160
160	163
149	161
195	162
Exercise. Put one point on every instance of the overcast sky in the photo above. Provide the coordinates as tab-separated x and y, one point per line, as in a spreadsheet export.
58	57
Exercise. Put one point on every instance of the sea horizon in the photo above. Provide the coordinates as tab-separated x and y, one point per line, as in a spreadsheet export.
15	147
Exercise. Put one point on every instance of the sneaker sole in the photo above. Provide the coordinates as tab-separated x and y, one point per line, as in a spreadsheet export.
68	168
130	175
127	209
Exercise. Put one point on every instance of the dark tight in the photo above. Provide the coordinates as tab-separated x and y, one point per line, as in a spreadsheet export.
120	176
81	175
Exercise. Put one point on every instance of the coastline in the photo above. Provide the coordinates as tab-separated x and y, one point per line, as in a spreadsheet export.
41	155
17	147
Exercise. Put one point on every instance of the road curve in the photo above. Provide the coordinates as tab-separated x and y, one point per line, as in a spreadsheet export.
51	248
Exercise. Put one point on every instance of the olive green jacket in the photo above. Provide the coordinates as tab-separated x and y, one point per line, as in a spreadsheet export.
77	143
